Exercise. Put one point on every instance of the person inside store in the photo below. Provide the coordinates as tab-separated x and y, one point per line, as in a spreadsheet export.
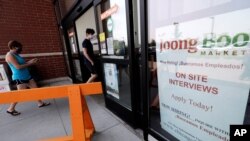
122	51
88	54
153	79
20	73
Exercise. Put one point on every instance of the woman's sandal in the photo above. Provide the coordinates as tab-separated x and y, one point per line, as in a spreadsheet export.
13	113
44	104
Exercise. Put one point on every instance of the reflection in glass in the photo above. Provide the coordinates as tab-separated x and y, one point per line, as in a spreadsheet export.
77	69
117	83
114	26
199	39
111	80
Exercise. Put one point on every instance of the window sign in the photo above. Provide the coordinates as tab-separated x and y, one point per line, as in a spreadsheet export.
102	43
110	25
72	42
110	45
119	23
204	74
114	23
102	37
94	42
111	79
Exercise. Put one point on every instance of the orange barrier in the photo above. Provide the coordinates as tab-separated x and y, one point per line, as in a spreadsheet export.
82	124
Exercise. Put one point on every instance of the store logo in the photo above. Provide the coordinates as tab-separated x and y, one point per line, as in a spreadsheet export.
239	40
110	25
210	41
187	44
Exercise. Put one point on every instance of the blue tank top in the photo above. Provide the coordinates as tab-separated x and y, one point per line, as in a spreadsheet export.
21	74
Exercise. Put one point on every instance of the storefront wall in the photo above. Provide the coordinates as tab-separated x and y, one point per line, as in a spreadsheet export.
180	64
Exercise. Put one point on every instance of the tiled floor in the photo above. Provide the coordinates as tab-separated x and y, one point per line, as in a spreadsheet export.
53	121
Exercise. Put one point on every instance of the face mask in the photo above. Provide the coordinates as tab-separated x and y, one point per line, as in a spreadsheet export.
90	36
19	50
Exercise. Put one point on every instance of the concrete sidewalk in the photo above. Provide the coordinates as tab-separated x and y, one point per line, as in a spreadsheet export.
53	121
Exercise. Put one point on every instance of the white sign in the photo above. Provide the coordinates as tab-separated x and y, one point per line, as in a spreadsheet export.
3	76
103	48
204	76
110	25
111	79
110	45
4	88
4	82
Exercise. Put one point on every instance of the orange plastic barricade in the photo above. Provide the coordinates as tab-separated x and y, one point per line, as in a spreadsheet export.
82	124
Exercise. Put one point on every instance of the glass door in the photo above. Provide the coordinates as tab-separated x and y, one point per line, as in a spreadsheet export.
75	56
117	57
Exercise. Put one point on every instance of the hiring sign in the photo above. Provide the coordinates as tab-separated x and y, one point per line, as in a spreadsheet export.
204	76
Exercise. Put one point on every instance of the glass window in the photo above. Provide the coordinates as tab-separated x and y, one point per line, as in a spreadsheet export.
87	20
72	41
117	83
199	65
75	55
114	45
113	28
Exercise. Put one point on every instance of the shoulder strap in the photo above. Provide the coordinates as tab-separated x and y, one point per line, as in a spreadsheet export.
14	55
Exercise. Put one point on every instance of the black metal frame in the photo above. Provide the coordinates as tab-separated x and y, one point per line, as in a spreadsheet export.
144	63
145	71
79	55
133	116
145	79
128	115
69	21
134	73
69	53
95	3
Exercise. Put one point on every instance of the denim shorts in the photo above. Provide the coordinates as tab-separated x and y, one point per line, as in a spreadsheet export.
19	81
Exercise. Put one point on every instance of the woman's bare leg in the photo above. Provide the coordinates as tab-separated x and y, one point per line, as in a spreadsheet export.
92	78
32	84
13	105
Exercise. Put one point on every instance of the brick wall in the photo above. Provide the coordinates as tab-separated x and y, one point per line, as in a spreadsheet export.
33	23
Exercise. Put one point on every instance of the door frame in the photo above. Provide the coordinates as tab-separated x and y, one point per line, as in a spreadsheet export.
69	22
130	116
138	85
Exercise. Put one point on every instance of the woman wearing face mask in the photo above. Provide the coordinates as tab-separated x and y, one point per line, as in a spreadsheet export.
20	73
